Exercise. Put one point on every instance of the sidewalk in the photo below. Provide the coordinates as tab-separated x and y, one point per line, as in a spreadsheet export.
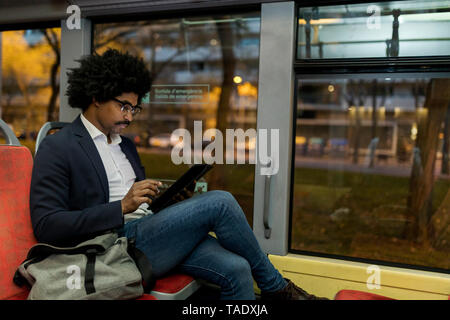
380	168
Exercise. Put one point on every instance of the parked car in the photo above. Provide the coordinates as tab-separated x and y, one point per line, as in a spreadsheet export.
163	140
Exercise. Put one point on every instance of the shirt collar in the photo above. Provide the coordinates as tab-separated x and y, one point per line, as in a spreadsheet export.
94	132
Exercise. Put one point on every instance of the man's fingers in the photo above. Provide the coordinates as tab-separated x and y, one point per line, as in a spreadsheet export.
145	199
186	193
147	183
155	182
146	192
154	185
178	197
182	195
191	187
139	193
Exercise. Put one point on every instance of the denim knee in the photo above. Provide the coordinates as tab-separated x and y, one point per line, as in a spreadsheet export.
226	199
239	281
221	195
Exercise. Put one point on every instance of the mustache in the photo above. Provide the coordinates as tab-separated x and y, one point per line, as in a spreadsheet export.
123	122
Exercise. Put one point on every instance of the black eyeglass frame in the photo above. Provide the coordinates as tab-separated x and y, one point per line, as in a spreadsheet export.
125	106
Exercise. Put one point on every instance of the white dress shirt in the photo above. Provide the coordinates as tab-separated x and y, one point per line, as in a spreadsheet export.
118	169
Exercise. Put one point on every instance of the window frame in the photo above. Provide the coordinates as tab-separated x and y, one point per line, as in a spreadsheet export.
335	73
394	67
402	64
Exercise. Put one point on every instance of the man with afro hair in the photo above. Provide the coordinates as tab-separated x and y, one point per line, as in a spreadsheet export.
88	179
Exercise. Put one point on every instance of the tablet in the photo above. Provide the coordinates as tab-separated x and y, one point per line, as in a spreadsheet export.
165	199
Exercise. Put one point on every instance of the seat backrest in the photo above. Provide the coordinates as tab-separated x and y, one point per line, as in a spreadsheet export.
46	128
16	233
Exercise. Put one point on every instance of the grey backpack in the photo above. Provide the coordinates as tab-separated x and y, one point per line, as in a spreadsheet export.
105	267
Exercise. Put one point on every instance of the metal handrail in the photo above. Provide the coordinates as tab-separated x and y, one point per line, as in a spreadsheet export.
11	138
46	128
266	211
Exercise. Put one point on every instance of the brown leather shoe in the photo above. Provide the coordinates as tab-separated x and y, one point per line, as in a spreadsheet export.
290	292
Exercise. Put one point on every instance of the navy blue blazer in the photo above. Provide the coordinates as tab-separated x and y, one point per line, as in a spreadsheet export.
69	196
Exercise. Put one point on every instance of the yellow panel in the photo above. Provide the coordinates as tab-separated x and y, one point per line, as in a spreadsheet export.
325	277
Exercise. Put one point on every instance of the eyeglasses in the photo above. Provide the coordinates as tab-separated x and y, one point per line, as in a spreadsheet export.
126	106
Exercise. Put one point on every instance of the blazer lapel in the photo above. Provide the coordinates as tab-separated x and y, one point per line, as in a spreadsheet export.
91	151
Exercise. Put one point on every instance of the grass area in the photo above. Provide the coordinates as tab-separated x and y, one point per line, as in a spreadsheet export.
159	166
359	215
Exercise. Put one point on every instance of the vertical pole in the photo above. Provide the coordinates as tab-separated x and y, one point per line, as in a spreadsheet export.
275	112
75	43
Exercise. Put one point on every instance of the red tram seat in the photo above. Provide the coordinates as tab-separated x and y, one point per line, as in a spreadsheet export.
16	235
359	295
175	286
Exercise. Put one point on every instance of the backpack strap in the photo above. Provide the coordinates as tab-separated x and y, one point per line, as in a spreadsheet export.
41	251
143	264
91	255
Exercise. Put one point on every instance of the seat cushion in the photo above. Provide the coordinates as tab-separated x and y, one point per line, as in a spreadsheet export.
16	236
146	297
358	295
20	296
172	283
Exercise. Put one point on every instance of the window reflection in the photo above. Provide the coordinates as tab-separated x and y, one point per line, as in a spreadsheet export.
372	169
385	29
204	69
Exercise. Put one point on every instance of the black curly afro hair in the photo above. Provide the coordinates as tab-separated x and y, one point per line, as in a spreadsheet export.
106	76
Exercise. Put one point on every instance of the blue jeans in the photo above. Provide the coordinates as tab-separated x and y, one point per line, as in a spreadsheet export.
177	237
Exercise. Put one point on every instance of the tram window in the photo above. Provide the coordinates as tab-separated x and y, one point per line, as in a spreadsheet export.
372	170
204	69
385	29
30	81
